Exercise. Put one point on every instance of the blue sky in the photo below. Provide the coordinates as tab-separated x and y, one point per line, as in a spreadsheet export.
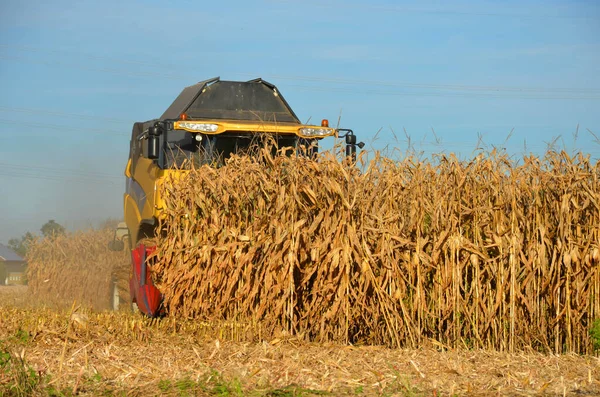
76	75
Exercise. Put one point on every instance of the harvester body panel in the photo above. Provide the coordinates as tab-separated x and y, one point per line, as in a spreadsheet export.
205	124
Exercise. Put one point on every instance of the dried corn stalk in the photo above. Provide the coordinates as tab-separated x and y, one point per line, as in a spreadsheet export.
75	267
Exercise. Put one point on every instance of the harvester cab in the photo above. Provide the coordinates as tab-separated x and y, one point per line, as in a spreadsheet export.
206	124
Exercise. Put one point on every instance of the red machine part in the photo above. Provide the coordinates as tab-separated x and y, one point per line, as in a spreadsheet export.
141	287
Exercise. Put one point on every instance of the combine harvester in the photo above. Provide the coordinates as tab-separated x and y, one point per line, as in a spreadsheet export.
207	123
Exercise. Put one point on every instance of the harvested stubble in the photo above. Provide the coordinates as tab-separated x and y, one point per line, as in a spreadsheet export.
85	353
484	254
75	267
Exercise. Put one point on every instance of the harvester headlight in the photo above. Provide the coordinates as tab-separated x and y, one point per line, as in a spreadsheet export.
315	132
196	127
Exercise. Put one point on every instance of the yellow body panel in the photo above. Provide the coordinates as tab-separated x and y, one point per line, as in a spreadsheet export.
142	201
132	217
243	126
139	200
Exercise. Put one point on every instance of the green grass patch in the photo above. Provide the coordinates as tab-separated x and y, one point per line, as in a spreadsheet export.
214	384
17	378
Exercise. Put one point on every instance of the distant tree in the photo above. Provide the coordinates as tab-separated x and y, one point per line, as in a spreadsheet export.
110	223
21	245
52	229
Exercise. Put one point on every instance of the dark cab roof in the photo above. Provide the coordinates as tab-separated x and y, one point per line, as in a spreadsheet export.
254	100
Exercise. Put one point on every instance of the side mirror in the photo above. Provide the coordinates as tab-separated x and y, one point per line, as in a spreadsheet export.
121	231
351	146
153	142
351	143
116	245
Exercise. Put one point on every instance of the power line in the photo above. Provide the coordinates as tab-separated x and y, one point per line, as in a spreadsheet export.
58	174
440	94
63	128
480	94
58	178
87	55
35	111
59	171
104	70
433	11
445	87
62	174
446	127
450	87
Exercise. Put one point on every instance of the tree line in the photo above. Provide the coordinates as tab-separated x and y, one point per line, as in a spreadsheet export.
50	229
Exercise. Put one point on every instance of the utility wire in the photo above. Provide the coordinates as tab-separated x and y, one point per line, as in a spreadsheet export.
101	118
451	87
361	82
61	128
57	174
441	94
58	178
433	11
63	171
92	69
445	87
62	52
36	112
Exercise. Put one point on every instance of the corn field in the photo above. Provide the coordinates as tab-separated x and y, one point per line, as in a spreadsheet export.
487	253
75	267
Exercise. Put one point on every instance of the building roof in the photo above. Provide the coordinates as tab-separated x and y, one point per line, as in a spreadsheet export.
6	255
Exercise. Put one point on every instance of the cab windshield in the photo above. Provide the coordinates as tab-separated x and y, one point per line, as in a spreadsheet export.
182	149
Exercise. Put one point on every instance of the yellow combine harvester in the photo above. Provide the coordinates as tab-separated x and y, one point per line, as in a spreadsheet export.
206	123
